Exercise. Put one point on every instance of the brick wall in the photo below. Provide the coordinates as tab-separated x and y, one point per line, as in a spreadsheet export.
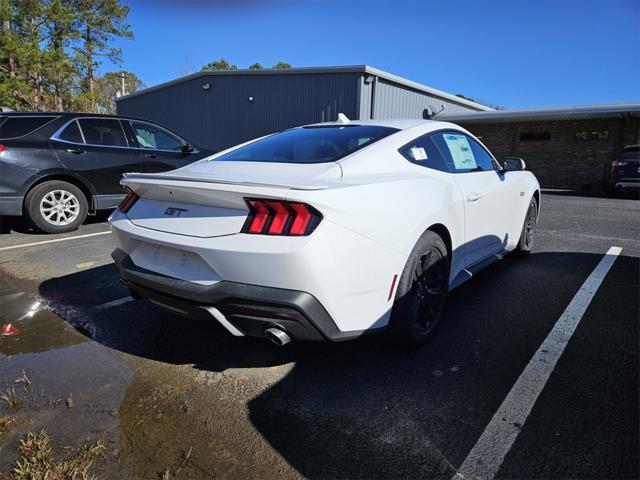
562	161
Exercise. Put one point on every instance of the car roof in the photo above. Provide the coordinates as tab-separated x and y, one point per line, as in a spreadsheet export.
68	115
31	114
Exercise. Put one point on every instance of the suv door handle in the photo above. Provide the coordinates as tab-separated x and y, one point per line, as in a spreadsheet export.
473	197
77	151
150	155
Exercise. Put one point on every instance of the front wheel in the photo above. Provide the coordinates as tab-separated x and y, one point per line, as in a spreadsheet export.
421	292
525	244
56	206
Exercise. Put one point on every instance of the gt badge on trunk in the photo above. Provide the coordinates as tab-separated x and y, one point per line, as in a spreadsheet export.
175	212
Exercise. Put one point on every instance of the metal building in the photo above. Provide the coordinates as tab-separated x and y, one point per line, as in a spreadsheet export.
218	109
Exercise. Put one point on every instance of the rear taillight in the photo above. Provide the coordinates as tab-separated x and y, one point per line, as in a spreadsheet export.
279	217
3	148
129	200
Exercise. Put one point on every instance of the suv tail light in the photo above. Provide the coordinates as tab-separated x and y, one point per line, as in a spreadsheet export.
279	217
129	200
3	148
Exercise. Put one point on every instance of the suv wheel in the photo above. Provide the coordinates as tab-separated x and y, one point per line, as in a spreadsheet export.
56	206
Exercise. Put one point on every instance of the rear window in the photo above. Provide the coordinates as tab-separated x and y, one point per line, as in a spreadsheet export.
103	131
309	144
631	153
13	127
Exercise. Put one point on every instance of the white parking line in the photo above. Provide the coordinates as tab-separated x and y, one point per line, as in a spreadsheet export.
489	452
12	247
115	303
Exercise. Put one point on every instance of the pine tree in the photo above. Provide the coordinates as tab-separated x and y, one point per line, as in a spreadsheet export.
99	22
50	51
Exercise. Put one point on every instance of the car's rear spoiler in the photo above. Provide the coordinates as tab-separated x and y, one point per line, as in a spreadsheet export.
169	177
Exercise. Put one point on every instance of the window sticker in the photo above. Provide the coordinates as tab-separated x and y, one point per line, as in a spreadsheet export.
461	152
418	153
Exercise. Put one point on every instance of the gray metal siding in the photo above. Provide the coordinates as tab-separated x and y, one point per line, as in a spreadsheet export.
365	99
223	116
396	101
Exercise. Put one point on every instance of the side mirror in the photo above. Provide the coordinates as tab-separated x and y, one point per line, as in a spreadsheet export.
513	164
187	147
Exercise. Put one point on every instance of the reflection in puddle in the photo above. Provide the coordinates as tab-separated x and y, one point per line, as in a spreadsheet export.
40	329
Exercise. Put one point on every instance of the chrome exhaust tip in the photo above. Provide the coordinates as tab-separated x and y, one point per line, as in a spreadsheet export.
277	336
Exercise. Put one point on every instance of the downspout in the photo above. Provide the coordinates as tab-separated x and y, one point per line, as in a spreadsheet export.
373	97
359	97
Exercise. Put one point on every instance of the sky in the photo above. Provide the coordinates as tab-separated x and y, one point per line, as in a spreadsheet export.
516	53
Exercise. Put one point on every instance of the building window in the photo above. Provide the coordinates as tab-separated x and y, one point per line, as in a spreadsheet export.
535	136
595	135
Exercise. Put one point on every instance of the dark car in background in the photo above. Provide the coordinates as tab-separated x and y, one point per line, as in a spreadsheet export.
55	168
623	174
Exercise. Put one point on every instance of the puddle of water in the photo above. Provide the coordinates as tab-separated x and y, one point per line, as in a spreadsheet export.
153	417
59	380
166	416
41	330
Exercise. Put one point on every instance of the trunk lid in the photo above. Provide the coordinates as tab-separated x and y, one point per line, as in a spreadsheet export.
207	198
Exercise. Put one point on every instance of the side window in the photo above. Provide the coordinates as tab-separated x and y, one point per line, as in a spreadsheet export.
18	126
103	131
71	133
462	153
422	151
152	137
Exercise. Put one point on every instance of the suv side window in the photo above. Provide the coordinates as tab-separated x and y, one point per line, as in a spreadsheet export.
422	151
462	153
19	126
103	131
71	133
155	138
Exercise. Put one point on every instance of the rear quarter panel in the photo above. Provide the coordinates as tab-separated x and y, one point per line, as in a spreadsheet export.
22	164
394	212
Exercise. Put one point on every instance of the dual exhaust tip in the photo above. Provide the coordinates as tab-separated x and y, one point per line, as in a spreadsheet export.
277	336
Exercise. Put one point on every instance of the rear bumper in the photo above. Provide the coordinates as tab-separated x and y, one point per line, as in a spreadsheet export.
11	205
250	309
621	183
627	184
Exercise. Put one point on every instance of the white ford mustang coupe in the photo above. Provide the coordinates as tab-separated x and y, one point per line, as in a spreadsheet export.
325	232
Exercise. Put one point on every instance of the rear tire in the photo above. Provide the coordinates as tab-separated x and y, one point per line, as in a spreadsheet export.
525	243
56	206
421	292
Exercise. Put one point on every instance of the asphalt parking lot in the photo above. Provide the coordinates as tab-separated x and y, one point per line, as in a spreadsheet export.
170	395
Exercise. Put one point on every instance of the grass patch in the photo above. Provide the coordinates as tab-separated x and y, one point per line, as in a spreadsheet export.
172	473
10	398
37	461
7	424
25	381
